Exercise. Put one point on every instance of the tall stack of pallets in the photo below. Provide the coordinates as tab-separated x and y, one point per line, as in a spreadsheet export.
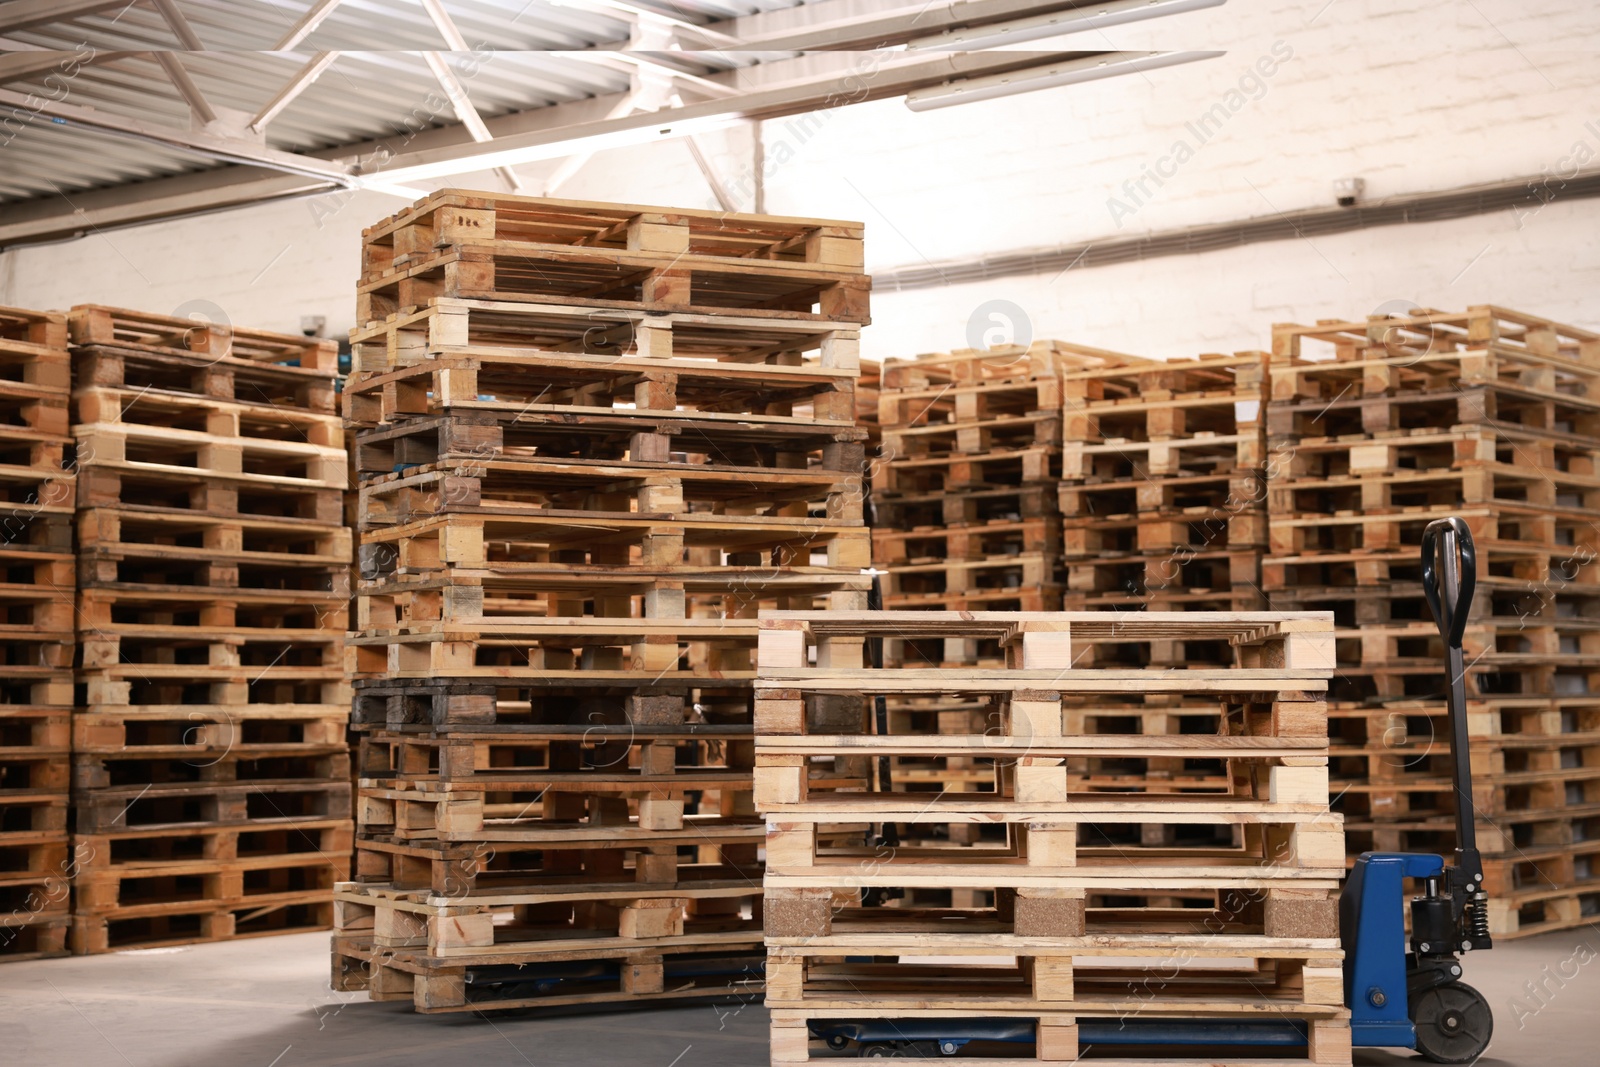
964	519
594	440
1378	428
1162	494
964	491
38	481
210	769
852	967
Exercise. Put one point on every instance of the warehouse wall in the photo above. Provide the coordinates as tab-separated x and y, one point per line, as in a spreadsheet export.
1447	95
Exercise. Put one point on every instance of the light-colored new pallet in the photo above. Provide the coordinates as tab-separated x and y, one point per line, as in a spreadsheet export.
530	926
1385	353
518	349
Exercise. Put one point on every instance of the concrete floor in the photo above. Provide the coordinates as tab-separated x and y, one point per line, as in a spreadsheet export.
266	1003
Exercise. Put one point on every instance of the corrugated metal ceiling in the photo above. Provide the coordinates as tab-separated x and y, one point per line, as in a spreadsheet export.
524	59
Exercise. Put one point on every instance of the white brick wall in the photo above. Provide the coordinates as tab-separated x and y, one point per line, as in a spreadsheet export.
1413	97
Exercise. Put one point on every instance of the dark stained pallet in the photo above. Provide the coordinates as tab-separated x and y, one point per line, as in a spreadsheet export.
668	490
189	807
491	431
631	976
454	703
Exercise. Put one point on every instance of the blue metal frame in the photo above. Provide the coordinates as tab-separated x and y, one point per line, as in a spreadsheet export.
1372	927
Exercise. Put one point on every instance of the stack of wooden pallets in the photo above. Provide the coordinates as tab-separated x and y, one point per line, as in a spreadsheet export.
210	766
1382	426
964	492
38	481
1042	960
1162	499
595	440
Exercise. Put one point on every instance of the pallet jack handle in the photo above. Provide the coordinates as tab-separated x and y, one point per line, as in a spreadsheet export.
1449	578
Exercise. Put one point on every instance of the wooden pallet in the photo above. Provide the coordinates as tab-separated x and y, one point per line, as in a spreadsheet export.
408	810
195	653
147	890
968	366
32	490
457	354
1167	400
537	928
1120	459
39	933
508	858
1387	353
686	256
1543	567
615	975
159	848
901	475
1004	575
964	506
45	330
1453	405
454	703
1231	494
668	490
644	279
938	441
158	453
207	765
1177	534
1025	392
189	807
450	218
1158	576
487	541
37	477
94	324
196	922
491	431
1499	485
1013	971
798	1033
179	491
135	548
1527	527
967	542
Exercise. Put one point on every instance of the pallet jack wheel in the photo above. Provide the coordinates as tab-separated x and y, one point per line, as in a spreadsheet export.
1454	1023
880	1050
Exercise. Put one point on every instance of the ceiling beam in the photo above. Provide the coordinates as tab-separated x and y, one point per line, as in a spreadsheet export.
19	66
25	14
178	25
895	75
640	11
63	116
306	26
575	162
560	131
198	105
293	88
784	31
460	101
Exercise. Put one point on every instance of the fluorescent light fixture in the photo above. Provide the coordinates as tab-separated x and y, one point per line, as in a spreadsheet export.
1071	72
1074	20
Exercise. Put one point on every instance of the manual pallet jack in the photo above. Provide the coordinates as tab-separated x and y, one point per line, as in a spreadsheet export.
1398	997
